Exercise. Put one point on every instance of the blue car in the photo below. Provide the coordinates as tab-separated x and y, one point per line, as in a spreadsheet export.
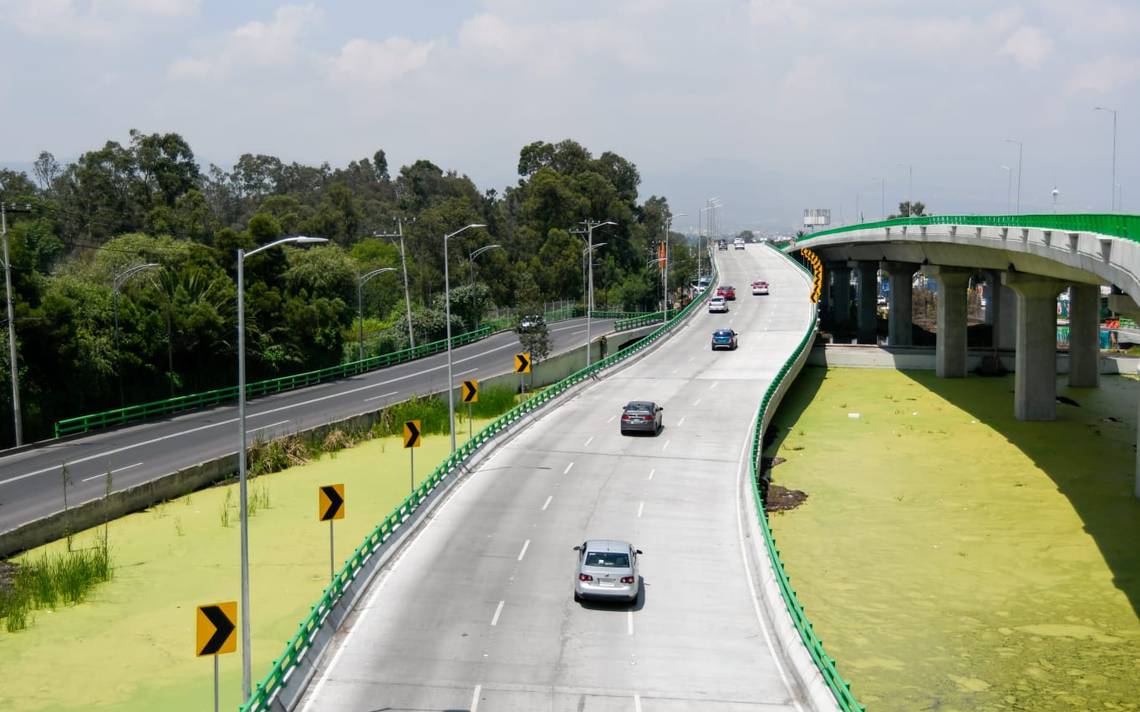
724	339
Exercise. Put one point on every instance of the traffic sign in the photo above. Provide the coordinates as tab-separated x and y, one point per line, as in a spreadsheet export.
471	391
216	624
330	502
412	436
522	363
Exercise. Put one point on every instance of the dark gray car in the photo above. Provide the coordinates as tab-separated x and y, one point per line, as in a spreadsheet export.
641	417
607	570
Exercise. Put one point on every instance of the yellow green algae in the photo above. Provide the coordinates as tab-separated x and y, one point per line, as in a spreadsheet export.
953	558
130	646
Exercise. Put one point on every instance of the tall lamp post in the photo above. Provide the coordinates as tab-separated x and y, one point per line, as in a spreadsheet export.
404	264
665	280
1113	184
360	303
116	285
17	420
587	254
246	656
471	259
589	230
1020	151
1008	188
447	308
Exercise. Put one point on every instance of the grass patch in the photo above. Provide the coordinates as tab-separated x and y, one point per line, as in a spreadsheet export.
49	581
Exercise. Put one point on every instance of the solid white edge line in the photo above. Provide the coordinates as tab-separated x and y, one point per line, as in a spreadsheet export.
113	471
547	502
568	468
475	698
523	552
498	612
266	427
740	467
382	395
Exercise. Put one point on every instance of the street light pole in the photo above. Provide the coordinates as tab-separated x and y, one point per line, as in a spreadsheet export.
1020	151
116	283
1113	184
360	304
447	311
471	260
1008	188
17	419
246	654
404	265
665	280
590	225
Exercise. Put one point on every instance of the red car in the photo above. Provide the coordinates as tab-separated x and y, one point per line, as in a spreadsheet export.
728	292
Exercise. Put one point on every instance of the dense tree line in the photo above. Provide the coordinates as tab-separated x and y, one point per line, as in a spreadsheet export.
90	339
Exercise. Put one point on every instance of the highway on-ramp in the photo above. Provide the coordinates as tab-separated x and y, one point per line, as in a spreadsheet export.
477	613
31	484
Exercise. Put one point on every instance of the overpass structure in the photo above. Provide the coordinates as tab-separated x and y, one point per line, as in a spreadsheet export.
1028	261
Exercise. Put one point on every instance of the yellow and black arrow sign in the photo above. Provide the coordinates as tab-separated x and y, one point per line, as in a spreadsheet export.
471	391
412	434
522	363
330	502
215	629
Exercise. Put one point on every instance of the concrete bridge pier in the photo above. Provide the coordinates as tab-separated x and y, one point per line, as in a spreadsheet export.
1084	335
1035	363
867	274
950	346
1005	326
824	309
840	296
900	276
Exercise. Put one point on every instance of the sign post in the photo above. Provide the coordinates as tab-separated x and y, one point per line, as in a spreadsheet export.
522	365
214	635
470	395
412	440
330	506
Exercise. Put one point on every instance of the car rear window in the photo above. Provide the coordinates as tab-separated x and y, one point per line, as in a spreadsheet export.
638	407
608	559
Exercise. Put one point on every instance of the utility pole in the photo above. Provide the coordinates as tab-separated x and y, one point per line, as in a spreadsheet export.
589	230
12	360
404	263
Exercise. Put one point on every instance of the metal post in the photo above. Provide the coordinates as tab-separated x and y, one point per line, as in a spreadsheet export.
360	318
1020	151
13	363
590	288
470	426
665	278
1114	203
407	294
411	470
332	574
447	311
215	683
246	656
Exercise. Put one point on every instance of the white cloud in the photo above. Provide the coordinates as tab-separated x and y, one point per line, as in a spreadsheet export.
256	44
89	19
365	61
1104	75
1029	47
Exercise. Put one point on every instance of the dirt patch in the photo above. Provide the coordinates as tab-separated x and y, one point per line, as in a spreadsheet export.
781	499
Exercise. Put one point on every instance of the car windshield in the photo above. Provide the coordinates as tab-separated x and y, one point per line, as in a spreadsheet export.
607	559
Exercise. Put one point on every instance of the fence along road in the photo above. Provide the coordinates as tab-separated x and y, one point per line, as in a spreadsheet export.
477	612
31	483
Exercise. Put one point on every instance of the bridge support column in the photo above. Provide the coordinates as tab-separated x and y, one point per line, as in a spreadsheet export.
825	298
950	346
900	276
1084	336
990	288
1005	315
1035	364
840	296
867	274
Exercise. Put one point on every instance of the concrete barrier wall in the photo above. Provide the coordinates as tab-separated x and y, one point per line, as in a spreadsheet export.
917	358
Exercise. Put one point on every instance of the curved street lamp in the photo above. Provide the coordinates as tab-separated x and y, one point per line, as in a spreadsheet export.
447	311
471	260
246	655
116	284
360	304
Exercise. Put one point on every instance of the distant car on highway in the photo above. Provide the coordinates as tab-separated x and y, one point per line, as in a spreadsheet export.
760	287
727	291
641	416
724	339
738	244
721	245
531	322
718	305
607	571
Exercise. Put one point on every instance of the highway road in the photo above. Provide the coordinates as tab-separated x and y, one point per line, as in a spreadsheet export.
477	613
31	482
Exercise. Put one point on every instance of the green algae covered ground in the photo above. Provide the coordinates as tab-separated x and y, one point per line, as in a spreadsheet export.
953	558
131	645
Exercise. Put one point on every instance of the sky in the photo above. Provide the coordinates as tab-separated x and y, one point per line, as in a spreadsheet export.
772	105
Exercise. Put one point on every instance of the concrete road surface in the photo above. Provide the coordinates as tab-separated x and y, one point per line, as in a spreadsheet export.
477	612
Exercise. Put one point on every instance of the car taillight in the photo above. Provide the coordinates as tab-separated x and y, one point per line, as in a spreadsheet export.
626	417
627	579
585	577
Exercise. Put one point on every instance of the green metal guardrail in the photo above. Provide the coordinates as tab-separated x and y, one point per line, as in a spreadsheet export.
299	644
1125	226
826	664
636	322
133	413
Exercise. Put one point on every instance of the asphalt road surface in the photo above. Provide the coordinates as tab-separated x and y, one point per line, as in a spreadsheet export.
477	612
31	482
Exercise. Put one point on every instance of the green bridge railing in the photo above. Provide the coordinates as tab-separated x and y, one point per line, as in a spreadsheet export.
299	644
1125	226
636	322
178	404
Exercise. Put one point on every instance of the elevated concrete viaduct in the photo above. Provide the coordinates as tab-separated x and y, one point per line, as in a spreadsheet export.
1026	261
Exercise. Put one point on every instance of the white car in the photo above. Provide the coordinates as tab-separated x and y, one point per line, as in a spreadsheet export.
738	245
760	288
718	305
